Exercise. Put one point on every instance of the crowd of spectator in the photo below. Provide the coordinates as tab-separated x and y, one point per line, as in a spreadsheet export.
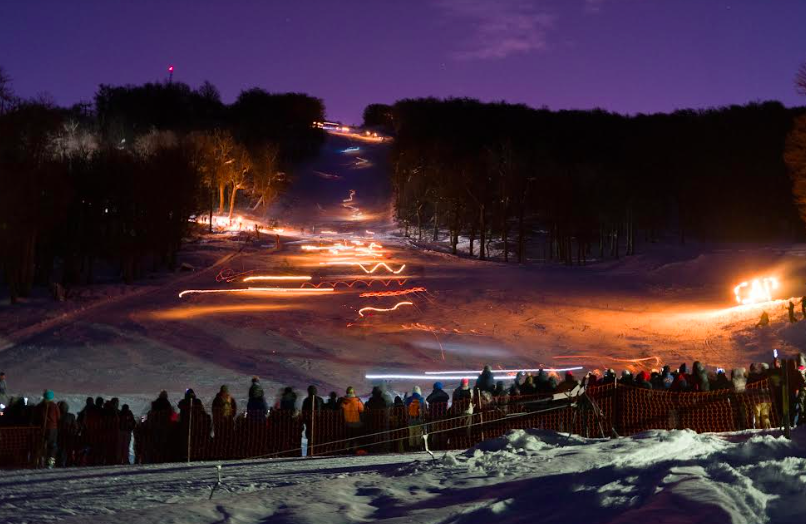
104	432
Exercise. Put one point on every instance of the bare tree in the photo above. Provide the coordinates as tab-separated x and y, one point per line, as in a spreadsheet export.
267	179
6	94
237	173
795	157
800	80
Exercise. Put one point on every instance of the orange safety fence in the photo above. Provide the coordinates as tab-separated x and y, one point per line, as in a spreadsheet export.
198	435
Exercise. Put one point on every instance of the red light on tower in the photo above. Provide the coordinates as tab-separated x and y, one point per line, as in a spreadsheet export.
170	73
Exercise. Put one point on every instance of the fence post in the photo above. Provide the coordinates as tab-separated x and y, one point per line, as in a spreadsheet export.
313	416
614	417
785	398
481	413
190	426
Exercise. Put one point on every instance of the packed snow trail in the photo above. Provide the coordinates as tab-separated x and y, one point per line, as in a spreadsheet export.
525	476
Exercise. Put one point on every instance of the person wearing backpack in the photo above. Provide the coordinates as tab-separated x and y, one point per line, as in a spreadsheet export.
415	407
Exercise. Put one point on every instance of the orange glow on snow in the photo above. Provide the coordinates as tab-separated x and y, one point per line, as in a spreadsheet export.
182	313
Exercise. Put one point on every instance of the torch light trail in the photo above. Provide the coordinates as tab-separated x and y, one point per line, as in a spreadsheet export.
268	290
393	308
441	330
431	377
465	372
259	278
393	293
367	281
364	269
643	362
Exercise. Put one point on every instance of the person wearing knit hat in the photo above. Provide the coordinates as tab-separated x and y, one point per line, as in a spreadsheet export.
47	416
352	408
437	396
415	407
255	390
463	391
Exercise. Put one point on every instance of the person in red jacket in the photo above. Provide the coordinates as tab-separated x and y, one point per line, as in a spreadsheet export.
47	415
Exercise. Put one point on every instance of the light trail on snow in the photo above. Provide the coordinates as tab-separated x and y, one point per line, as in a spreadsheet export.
263	290
443	331
393	293
364	269
525	370
393	308
431	377
366	281
261	278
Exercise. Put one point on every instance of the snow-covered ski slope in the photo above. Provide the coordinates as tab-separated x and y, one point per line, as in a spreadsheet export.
526	476
668	304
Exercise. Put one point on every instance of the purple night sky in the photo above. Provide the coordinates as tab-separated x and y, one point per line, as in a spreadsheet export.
622	55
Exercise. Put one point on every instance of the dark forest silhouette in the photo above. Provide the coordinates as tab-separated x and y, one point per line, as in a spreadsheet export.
589	183
117	180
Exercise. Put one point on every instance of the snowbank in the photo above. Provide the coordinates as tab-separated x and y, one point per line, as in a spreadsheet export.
525	476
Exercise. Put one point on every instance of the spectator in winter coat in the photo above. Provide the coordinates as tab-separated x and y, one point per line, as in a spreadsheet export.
185	405
642	380
352	407
799	408
463	391
528	387
88	408
666	379
721	381
500	391
609	376
311	405
738	380
68	430
3	390
288	400
398	402
541	382
127	425
437	395
486	382
680	383
416	403
255	390
333	401
47	416
515	388
224	406
377	400
416	408
755	373
312	400
256	406
568	384
162	404
699	378
627	378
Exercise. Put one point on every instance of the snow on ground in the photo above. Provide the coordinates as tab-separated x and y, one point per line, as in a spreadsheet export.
668	304
525	476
